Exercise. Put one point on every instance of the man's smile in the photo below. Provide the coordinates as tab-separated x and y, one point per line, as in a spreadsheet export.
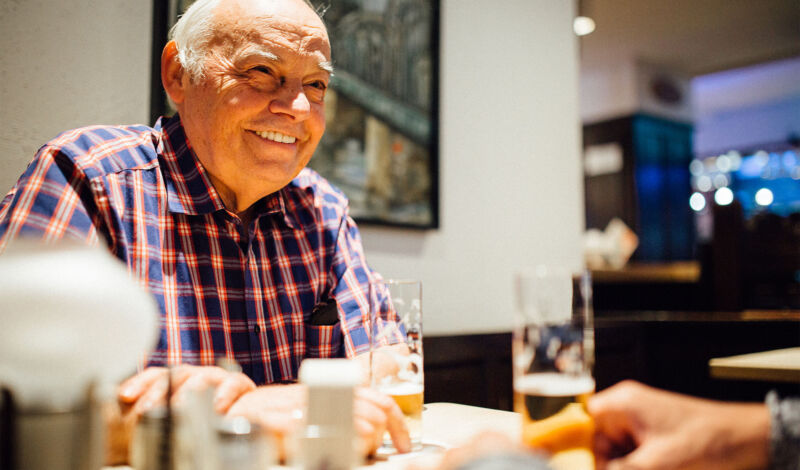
276	136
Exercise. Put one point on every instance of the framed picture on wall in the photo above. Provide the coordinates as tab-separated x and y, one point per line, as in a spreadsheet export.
380	146
381	142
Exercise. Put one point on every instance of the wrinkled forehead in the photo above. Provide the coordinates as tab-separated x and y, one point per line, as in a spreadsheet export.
281	23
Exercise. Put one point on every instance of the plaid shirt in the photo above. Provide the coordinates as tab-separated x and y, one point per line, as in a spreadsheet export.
142	192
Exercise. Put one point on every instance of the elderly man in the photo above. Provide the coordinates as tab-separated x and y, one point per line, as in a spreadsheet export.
250	255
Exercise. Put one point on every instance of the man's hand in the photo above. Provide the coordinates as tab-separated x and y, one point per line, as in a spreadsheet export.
148	389
278	407
376	413
639	427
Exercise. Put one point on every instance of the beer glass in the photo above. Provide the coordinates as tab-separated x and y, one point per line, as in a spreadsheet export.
553	349
396	351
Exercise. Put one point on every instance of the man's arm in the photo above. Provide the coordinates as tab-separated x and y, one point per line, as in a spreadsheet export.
51	201
351	289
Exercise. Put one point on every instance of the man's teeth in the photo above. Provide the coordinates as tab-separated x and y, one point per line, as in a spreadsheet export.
276	136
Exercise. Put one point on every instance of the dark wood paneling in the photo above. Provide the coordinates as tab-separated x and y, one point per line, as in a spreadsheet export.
669	350
673	353
469	369
611	195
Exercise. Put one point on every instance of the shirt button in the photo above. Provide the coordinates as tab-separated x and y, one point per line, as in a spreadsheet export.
257	329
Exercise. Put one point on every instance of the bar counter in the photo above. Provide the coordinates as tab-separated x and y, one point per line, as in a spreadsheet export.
781	365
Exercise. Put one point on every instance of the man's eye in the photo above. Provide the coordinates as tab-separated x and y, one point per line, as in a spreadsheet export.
320	85
262	69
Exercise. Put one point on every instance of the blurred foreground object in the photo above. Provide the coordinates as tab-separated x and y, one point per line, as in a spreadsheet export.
73	322
191	436
492	451
329	438
612	247
552	358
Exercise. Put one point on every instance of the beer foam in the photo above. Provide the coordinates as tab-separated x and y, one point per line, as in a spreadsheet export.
553	384
402	388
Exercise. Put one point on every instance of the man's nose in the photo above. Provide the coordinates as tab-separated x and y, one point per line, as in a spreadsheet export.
291	101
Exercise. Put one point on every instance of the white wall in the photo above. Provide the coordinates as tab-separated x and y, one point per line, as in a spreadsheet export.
621	88
65	64
608	92
510	182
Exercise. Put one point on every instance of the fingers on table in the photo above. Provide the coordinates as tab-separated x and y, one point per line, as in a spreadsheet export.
232	387
132	389
384	414
370	422
151	385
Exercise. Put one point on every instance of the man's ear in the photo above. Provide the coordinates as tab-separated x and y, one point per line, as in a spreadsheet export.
172	73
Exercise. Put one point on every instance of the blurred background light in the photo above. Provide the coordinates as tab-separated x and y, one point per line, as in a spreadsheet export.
764	197
583	25
720	180
723	196
696	167
724	163
697	202
704	183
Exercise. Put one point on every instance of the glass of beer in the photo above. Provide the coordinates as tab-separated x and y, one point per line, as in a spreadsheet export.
396	351
552	354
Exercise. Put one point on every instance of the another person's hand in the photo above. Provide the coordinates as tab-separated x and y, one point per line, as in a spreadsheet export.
639	427
492	450
148	389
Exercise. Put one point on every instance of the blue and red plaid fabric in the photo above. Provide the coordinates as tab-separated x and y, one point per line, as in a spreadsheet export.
142	192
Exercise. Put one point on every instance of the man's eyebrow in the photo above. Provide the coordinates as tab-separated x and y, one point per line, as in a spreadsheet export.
326	66
264	54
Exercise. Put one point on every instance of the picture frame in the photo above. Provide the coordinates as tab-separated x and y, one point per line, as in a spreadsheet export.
381	145
381	141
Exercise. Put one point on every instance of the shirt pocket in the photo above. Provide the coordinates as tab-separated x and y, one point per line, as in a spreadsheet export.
323	341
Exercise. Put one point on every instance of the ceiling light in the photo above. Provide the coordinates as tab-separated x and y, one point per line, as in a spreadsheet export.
582	25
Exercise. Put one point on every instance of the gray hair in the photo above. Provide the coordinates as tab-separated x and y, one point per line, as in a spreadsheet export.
194	30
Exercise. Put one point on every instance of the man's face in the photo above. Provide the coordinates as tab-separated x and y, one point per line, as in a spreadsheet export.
256	117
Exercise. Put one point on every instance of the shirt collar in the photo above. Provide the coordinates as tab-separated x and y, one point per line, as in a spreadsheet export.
189	189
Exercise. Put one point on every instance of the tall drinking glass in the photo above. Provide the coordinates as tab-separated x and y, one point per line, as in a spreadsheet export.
396	350
553	352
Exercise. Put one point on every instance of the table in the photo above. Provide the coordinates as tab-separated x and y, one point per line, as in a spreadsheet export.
445	425
453	424
780	365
